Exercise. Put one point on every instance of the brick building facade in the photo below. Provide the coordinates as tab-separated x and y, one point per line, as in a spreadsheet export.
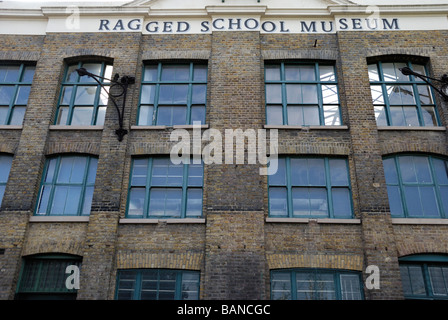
252	238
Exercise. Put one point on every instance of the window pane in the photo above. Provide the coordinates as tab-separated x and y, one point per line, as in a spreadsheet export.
299	172
85	95
190	286
200	73
94	68
330	94
300	202
145	116
198	114
380	115
338	172
72	169
274	115
150	73
281	286
9	73
400	95
373	72
136	201
324	287
327	73
444	197
397	116
194	202
195	175
311	115
305	286
91	175
278	202
395	202
441	170
101	116
411	116
332	116
28	74
279	178
199	94
18	113
5	167
44	200
295	115
429	116
164	173
171	115
429	202
416	280
272	72
377	94
318	201
165	202
6	94
341	202
316	172
4	115
126	285
139	172
438	281
87	205
273	93
82	116
350	287
72	75
22	95
62	116
425	95
300	73
66	95
391	72
148	94
2	192
66	200
176	72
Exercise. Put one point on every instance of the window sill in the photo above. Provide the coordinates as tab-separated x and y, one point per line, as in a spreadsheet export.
403	128
10	127
59	219
437	221
318	220
288	127
187	126
156	221
59	127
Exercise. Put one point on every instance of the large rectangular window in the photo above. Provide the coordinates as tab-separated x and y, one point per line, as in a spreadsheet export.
310	187
159	188
302	94
157	284
401	100
44	277
67	186
417	186
173	94
15	87
83	101
5	168
315	284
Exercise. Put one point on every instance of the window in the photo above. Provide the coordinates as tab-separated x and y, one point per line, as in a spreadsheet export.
424	276
5	168
316	284
15	87
173	94
67	186
417	186
310	187
401	100
302	94
157	284
43	277
158	189
83	102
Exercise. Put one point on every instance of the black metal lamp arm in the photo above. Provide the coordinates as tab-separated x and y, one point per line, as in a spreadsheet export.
444	80
125	81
